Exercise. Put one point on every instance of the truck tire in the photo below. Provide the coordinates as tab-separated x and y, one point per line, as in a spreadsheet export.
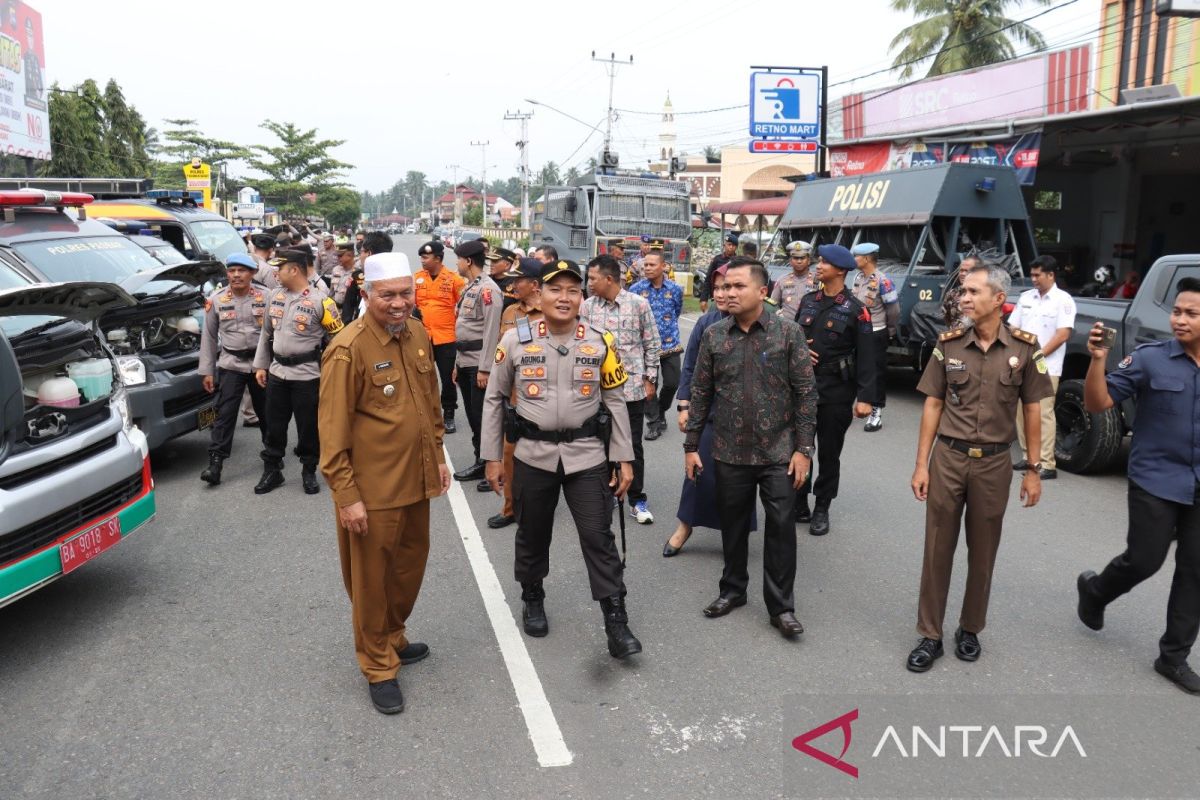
1085	442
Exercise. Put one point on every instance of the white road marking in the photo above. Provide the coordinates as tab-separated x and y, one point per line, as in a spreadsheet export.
539	716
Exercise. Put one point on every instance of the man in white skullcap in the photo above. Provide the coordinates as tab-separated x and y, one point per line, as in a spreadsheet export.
381	427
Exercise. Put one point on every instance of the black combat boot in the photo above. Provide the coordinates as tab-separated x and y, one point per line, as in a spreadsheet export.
533	615
621	641
308	477
448	421
272	478
212	475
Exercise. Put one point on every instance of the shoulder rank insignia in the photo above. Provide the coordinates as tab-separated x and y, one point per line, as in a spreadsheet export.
580	331
500	354
541	329
1024	336
953	333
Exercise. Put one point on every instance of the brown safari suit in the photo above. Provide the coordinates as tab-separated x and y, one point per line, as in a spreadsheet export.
381	443
508	321
982	391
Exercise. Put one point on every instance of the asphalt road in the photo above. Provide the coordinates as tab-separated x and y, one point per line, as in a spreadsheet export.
210	654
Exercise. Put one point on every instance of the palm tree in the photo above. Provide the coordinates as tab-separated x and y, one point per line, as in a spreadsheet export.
960	34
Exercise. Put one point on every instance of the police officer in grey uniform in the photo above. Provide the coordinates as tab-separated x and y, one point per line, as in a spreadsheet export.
233	318
262	248
791	288
476	331
287	364
565	373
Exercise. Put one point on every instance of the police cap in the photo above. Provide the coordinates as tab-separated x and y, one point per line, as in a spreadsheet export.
241	261
501	254
731	238
292	256
566	267
799	247
471	249
864	249
616	243
434	248
657	244
526	268
837	256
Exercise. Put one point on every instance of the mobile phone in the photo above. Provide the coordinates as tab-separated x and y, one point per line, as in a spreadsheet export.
1108	337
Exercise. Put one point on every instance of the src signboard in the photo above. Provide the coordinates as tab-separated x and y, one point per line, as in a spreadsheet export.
24	118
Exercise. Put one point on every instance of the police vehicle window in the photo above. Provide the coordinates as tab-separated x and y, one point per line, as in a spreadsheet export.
10	279
99	258
218	237
1189	271
167	254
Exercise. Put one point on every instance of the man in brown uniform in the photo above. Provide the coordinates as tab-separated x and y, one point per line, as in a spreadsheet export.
973	383
381	453
526	283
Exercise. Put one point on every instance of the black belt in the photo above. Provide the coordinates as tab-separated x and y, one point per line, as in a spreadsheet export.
295	361
468	347
528	430
241	354
973	450
835	367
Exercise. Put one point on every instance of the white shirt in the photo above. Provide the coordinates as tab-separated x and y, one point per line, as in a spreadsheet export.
1042	315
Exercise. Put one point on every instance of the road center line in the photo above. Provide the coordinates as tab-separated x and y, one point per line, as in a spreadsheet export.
531	697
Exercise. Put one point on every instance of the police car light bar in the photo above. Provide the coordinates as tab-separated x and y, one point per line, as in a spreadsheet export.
37	198
167	195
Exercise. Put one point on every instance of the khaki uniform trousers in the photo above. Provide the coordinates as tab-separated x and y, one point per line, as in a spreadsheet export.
507	464
382	571
1048	433
981	486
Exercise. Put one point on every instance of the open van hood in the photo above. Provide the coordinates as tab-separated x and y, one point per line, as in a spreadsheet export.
84	301
193	273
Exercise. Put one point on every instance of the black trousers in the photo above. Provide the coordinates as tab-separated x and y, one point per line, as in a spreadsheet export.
1153	524
637	418
231	385
472	397
833	420
735	500
535	497
880	341
287	399
443	356
658	408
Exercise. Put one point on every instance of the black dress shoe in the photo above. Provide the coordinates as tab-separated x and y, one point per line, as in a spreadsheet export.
449	424
967	646
501	521
471	473
1047	474
271	479
1021	466
1090	609
924	654
386	697
483	486
803	514
789	627
309	479
819	524
413	652
723	605
1181	675
250	423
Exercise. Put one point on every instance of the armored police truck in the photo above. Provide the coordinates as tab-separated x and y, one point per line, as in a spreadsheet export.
925	220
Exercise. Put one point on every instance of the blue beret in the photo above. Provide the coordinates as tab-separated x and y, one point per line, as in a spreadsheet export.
837	255
865	249
241	260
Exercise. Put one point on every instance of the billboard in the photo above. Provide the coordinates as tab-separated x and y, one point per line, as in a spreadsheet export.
24	121
1019	152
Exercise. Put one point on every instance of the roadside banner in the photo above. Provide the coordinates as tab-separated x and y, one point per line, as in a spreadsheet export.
1019	152
199	178
24	113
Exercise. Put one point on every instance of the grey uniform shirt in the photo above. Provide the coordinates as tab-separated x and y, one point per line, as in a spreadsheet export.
478	320
556	392
231	323
266	274
790	290
295	324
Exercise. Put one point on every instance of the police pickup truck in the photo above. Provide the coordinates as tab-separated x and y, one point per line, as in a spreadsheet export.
1089	442
924	220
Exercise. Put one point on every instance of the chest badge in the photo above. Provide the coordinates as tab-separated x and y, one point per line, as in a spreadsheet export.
1014	362
389	390
533	390
420	352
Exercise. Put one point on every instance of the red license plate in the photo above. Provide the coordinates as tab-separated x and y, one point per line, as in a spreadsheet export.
79	550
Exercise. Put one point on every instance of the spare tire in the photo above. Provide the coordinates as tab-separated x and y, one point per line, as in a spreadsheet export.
1085	442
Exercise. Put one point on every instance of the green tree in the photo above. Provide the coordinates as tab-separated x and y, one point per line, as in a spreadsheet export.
960	34
548	174
712	155
77	133
572	175
185	142
339	205
473	214
300	164
124	135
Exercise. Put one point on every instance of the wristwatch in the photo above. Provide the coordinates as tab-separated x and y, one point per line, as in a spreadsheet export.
1034	467
682	408
805	451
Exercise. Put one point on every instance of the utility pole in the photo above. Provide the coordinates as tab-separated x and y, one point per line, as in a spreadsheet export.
483	176
455	168
611	69
523	146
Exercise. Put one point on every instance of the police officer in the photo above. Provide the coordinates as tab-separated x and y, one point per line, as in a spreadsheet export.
838	330
878	293
500	263
340	276
262	247
288	365
233	318
564	373
476	331
791	288
973	383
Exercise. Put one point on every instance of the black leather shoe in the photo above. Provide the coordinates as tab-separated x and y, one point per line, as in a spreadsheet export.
413	652
924	654
251	423
621	641
501	521
483	486
1181	675
271	479
533	615
967	646
789	627
1021	466
386	697
471	473
652	433
803	514
212	475
723	605
1048	474
1090	609
819	524
309	479
449	424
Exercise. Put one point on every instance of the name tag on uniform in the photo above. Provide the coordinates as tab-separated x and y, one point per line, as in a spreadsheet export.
382	365
954	365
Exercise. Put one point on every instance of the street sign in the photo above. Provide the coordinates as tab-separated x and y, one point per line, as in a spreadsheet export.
199	176
248	210
785	105
769	146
